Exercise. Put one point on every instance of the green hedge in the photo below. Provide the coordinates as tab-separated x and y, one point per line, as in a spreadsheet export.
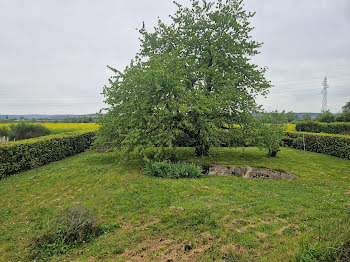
335	145
329	128
30	153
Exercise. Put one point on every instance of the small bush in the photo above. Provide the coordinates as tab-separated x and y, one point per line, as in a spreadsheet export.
269	137
4	131
25	131
326	117
173	170
72	228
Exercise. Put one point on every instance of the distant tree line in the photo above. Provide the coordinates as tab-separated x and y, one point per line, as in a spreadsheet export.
291	117
77	119
23	130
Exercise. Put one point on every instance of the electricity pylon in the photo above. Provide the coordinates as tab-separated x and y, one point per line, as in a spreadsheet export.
324	93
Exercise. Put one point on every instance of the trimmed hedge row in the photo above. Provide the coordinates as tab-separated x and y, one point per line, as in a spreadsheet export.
329	128
335	145
30	153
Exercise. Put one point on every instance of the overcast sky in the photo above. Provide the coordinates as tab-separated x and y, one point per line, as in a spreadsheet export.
53	53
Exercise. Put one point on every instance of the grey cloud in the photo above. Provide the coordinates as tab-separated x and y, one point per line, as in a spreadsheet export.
53	54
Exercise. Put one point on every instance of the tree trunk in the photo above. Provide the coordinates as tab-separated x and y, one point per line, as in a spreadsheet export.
273	153
202	149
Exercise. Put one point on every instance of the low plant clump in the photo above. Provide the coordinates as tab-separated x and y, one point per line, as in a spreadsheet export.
72	228
173	170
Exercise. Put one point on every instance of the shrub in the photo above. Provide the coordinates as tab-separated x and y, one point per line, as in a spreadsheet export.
26	154
335	145
4	131
24	130
269	137
172	170
317	127
343	117
326	117
72	228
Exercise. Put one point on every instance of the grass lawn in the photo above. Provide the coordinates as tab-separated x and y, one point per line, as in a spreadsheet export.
212	218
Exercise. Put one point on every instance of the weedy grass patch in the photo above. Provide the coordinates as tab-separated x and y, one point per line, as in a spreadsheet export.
70	229
212	218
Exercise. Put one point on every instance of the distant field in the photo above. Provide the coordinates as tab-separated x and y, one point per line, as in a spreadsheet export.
290	127
57	128
207	219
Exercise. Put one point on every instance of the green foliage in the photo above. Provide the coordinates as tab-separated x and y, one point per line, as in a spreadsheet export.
172	170
335	145
317	127
298	143
343	117
24	130
269	137
325	117
291	116
306	117
272	117
161	154
278	117
72	228
77	119
4	131
268	132
191	78
30	153
346	107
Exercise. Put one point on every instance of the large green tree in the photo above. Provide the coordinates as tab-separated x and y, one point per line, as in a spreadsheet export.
191	77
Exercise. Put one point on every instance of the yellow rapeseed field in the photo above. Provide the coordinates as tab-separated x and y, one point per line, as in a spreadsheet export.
57	128
290	127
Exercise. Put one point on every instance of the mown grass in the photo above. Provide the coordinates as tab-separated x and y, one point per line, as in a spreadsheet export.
206	219
58	128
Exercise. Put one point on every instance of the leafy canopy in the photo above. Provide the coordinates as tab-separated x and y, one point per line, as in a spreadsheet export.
193	77
346	107
325	117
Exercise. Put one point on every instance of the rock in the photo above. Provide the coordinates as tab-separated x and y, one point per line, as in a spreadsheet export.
249	172
243	171
220	170
240	171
